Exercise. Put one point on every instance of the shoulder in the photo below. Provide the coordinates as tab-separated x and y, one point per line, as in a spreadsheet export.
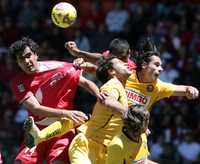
48	65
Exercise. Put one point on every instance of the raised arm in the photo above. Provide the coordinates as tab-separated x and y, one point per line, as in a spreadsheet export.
87	56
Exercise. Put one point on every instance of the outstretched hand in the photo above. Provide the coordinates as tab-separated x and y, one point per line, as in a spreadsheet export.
192	92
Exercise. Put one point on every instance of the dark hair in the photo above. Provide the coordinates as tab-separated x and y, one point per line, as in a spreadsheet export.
104	64
137	117
18	46
147	48
119	47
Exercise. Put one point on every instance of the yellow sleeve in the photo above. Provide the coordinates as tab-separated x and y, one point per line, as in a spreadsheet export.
114	154
113	91
165	89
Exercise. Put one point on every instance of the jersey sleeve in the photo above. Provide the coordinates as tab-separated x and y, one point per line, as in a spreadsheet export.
20	90
111	88
165	89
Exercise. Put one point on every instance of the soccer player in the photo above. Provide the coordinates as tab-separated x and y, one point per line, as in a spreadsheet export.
143	87
105	122
130	145
47	89
119	48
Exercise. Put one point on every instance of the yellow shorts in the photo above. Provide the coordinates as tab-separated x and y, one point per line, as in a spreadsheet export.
87	151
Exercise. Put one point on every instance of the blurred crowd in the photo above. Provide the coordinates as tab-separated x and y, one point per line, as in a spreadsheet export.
174	25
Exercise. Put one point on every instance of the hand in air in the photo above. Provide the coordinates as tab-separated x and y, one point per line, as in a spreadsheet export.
192	92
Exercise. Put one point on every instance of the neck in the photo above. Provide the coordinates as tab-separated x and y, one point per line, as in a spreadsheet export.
142	78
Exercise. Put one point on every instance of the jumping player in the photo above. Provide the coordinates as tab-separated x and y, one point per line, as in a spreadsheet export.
47	89
105	120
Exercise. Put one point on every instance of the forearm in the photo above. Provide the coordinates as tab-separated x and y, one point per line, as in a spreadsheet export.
88	56
43	111
187	91
89	86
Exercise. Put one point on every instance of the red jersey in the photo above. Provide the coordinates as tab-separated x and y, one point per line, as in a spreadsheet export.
54	85
131	64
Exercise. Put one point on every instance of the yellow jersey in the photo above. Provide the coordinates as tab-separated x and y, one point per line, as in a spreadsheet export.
122	150
147	93
103	124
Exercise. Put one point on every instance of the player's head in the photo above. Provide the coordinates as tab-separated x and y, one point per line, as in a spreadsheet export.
120	48
25	51
135	121
148	60
111	66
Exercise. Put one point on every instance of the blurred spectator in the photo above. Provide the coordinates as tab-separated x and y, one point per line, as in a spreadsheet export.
174	26
189	149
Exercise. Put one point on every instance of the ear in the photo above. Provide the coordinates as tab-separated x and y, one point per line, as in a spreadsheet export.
111	72
144	65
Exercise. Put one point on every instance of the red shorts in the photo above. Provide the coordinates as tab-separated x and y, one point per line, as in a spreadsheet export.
49	151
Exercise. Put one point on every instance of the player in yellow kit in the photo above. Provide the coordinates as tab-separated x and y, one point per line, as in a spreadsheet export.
142	87
130	145
105	120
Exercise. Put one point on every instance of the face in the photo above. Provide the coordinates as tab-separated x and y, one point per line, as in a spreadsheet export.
28	61
151	71
121	68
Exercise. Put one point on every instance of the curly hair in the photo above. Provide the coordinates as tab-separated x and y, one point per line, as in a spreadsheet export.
136	118
18	46
147	48
104	64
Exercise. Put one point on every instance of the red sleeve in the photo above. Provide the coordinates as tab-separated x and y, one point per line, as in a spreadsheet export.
20	90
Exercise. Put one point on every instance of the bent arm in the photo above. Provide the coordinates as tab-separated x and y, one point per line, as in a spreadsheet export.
36	109
90	86
87	56
111	101
41	111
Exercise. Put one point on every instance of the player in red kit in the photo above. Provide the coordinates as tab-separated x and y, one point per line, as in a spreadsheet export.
47	89
119	48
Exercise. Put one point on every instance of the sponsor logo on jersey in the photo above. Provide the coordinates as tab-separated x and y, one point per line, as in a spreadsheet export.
21	88
150	88
135	97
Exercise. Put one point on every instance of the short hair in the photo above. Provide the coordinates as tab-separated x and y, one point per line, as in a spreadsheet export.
18	46
147	48
104	64
119	47
136	118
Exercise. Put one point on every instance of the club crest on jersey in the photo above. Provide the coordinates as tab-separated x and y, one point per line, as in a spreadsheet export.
21	88
137	98
150	88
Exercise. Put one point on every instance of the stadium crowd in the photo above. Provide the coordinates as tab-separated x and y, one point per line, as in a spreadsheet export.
173	25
